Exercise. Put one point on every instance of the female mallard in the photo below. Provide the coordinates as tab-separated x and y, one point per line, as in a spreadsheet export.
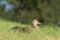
26	29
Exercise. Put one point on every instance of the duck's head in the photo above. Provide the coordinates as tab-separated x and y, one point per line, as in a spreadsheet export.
35	22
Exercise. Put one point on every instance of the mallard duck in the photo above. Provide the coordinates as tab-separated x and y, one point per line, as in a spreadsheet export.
34	26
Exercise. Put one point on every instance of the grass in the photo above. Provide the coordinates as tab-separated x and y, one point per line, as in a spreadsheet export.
47	32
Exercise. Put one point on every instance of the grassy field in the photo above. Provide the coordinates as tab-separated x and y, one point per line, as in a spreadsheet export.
48	32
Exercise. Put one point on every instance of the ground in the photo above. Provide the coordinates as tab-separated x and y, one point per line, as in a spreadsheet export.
47	32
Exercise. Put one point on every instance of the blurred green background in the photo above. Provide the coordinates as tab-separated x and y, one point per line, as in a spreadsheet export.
24	11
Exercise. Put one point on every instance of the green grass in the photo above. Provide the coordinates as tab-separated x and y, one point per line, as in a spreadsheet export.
47	32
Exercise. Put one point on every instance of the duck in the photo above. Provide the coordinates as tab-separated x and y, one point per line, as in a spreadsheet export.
34	27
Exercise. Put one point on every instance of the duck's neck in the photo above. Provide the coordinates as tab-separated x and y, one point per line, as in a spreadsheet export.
34	25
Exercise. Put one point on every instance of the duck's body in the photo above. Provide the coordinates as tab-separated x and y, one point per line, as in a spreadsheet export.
17	28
